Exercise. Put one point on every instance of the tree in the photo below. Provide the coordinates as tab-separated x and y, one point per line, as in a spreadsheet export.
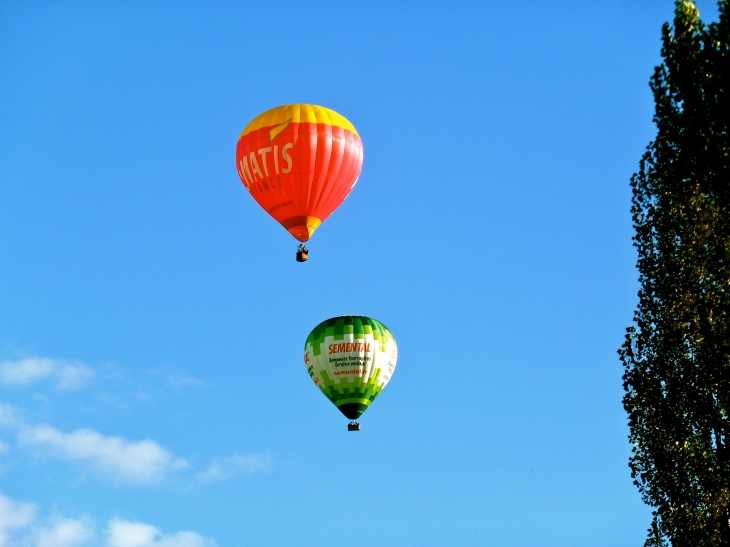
677	354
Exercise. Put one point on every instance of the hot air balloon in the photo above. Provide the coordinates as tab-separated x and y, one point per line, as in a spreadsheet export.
299	162
351	359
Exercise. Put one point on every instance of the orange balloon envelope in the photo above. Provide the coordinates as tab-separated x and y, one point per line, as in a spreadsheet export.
299	162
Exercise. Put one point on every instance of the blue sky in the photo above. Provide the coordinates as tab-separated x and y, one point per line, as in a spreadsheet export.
152	316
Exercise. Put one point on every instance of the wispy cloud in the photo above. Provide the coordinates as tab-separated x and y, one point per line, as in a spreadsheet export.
226	468
123	533
9	416
180	380
123	461
19	525
67	375
65	532
13	516
177	378
119	459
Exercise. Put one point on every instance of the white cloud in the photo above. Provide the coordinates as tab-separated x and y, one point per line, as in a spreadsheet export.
68	375
13	516
225	468
121	460
19	526
123	533
26	371
139	462
66	533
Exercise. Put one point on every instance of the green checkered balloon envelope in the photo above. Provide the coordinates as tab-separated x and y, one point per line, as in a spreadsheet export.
351	359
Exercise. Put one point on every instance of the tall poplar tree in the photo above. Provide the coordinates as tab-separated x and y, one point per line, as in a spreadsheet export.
677	354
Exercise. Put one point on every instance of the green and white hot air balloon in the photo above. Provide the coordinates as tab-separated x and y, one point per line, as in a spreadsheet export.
351	359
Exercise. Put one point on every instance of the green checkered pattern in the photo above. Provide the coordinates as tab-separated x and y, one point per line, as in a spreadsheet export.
352	390
357	325
349	389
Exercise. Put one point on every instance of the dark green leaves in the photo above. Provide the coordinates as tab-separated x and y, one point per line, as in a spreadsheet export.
677	356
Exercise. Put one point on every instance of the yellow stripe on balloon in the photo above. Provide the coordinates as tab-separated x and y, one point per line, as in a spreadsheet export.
299	113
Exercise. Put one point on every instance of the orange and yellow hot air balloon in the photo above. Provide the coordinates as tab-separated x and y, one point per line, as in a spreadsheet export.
299	162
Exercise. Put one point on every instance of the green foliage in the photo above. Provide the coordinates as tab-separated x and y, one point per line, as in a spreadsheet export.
677	356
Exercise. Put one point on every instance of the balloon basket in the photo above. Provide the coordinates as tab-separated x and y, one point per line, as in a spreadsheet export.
302	254
353	426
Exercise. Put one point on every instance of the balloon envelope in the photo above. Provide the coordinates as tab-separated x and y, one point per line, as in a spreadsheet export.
351	359
299	162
